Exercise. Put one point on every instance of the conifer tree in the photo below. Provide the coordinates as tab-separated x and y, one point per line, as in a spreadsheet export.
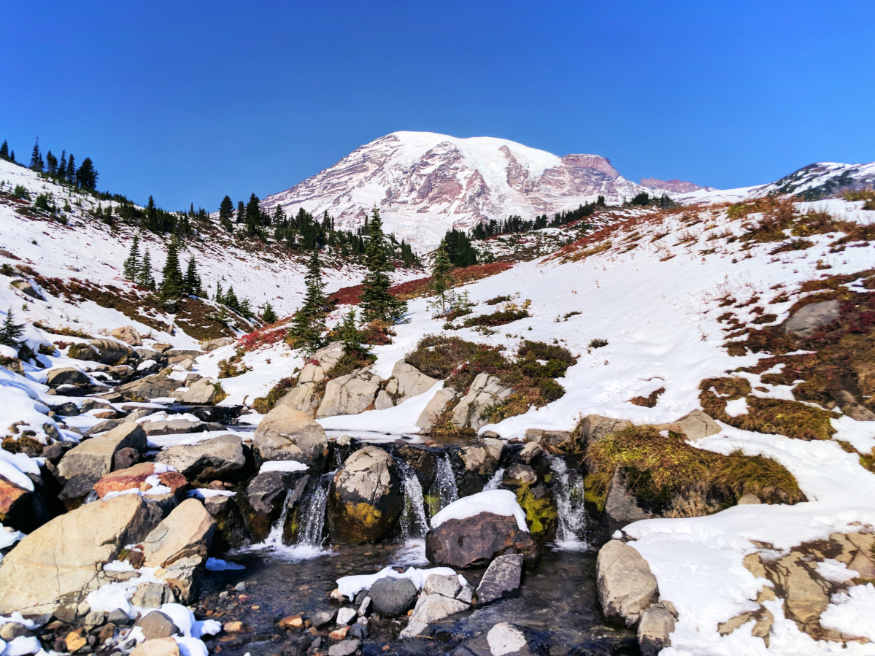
230	299
144	277
62	166
226	212
4	150
349	334
192	284
86	175
219	292
12	156
267	314
173	284
377	303
241	212
11	331
309	322
71	170
51	164
440	275
36	159
132	264
253	215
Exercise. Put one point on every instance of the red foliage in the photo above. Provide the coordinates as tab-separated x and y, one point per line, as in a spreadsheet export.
261	338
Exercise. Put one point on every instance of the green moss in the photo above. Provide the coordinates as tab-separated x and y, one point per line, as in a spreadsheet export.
542	515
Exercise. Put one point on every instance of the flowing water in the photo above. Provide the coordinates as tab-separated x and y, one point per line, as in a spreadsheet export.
313	521
414	520
495	482
443	490
569	492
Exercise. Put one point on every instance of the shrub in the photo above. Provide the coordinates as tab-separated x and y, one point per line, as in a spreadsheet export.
21	193
498	299
233	366
510	313
597	343
264	404
648	401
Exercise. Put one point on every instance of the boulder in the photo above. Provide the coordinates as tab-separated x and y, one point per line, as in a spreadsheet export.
654	630
502	579
485	391
67	376
406	382
595	427
157	647
330	355
152	595
422	460
482	458
304	398
441	597
173	427
94	457
83	352
311	373
127	334
694	426
143	477
207	460
365	498
807	319
505	638
148	388
554	441
62	561
434	408
113	352
263	499
156	625
621	505
626	586
213	344
20	509
178	546
289	434
203	392
76	491
350	394
25	288
475	541
392	597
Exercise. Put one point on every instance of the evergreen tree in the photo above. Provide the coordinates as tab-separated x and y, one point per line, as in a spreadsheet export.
132	264
309	321
144	277
12	156
71	170
51	164
219	292
226	212
86	176
349	334
440	275
377	303
253	215
36	159
173	284
241	212
11	331
267	314
192	279
230	299
4	150
62	166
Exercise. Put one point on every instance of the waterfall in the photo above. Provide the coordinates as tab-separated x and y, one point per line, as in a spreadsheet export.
274	539
495	482
569	491
313	522
414	521
443	490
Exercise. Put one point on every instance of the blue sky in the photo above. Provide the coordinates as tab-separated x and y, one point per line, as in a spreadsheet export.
191	100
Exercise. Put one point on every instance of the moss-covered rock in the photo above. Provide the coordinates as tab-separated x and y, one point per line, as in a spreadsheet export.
542	515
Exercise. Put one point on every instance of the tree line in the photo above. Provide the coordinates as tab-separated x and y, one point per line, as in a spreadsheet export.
63	170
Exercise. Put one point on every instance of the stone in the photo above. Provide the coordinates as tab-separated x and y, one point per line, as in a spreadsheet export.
12	630
434	607
157	647
621	505
173	427
104	426
16	506
25	288
694	426
148	388
405	382
806	594
486	390
626	586
208	460
303	397
654	629
124	458
330	355
127	334
475	541
345	616
112	352
76	490
67	376
292	622
138	478
392	597
434	408
213	344
179	547
748	499
235	627
339	634
364	608
505	638
75	641
311	373
350	394
531	450
84	352
595	427
482	458
762	618
555	441
365	497
152	595
322	618
62	561
807	319
519	474
263	497
344	648
156	625
94	457
501	579
288	434
446	585
204	392
415	629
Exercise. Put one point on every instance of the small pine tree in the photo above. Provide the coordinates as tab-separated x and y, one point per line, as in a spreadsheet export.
36	159
309	322
226	212
192	283
349	334
4	150
377	303
11	331
132	264
71	170
267	314
173	284
144	277
62	166
440	275
230	299
218	298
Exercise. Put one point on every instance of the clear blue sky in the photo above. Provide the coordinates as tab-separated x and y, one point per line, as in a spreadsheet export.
191	100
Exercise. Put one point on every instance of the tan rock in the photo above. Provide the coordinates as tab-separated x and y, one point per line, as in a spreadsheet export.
235	627
350	395
93	457
434	408
157	647
694	426
303	397
292	622
485	391
289	434
136	478
339	634
75	640
626	586
405	383
128	335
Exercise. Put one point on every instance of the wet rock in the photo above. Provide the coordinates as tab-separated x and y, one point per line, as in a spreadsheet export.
150	387
406	382
288	434
475	541
204	392
654	630
76	491
344	648
322	618
261	502
505	638
179	547
139	477
365	498
485	391
520	474
626	586
67	376
127	334
392	597
502	579
350	394
207	460
621	505
415	629
807	319
422	460
157	647
62	561
112	352
556	442
94	457
156	625
434	408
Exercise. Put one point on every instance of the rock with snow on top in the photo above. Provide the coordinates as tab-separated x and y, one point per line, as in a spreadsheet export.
626	586
94	457
288	434
210	459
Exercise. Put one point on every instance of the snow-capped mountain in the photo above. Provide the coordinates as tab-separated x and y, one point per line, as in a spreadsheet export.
425	183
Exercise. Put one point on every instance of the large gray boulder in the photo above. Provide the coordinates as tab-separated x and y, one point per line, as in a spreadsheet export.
485	391
406	382
289	434
62	561
434	408
365	498
113	352
150	387
626	586
204	392
811	317
350	394
475	541
94	457
127	334
67	376
303	397
392	597
207	460
502	578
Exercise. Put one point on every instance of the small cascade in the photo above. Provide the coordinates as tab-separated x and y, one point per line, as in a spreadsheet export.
414	521
569	491
443	490
338	459
274	539
313	522
495	482
91	498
